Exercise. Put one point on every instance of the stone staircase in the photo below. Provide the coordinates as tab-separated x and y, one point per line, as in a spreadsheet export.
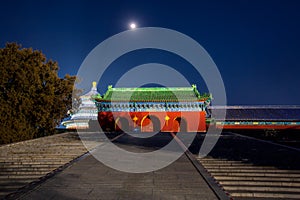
25	162
245	180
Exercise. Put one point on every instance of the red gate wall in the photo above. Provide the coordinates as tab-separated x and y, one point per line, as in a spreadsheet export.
146	121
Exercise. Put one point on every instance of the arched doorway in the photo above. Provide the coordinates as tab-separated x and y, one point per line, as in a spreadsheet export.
150	123
122	124
181	125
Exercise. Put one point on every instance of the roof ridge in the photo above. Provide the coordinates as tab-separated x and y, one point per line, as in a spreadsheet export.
153	88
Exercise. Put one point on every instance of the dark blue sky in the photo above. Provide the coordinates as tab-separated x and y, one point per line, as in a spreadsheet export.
254	43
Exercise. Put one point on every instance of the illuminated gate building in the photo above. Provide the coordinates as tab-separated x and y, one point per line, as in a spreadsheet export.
153	109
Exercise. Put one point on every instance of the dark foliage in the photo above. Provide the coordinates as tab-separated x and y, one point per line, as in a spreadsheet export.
33	98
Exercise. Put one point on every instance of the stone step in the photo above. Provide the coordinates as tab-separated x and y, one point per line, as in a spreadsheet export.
32	160
32	149
44	153
221	162
15	180
26	169
10	186
21	176
48	151
241	174
259	183
6	192
242	178
35	158
264	195
19	161
211	167
37	172
263	189
31	165
46	143
212	159
40	157
254	170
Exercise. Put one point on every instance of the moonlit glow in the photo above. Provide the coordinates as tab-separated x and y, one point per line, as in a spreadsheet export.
132	25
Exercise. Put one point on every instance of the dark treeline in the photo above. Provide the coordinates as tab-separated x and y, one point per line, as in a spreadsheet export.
33	98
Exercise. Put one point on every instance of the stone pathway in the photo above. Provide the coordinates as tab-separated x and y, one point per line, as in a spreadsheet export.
90	179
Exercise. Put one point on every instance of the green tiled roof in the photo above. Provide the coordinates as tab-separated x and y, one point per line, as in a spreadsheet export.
153	94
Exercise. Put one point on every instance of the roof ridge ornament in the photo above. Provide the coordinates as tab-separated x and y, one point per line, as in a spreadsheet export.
94	85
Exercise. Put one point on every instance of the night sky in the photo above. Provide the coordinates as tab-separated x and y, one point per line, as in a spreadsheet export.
254	43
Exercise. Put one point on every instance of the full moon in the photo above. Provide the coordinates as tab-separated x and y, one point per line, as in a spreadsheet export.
132	25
